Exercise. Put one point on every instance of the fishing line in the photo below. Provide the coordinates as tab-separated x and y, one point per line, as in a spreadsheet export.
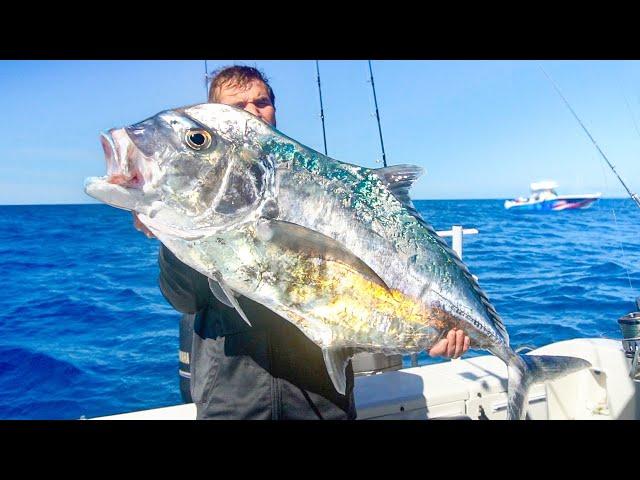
615	221
632	115
624	258
633	196
633	118
206	80
613	210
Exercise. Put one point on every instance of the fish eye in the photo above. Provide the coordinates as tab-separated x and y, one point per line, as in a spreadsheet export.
198	139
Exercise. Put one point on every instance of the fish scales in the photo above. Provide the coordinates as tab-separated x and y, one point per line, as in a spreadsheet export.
338	198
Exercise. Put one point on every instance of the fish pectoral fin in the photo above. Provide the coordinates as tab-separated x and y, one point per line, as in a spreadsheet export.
336	359
225	295
218	292
314	244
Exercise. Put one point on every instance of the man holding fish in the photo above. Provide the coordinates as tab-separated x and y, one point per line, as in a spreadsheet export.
269	370
254	222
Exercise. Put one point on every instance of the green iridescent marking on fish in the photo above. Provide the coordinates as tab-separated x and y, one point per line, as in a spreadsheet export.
362	189
366	186
282	151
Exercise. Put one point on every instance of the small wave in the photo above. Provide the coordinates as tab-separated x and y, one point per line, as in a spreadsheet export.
23	370
55	306
26	265
127	294
607	268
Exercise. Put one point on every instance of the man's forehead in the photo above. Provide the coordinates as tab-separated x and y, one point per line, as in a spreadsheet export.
253	87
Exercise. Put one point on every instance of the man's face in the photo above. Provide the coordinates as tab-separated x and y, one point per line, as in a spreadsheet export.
252	97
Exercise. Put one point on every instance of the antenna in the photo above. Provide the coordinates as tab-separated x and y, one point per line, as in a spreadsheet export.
634	196
375	101
324	136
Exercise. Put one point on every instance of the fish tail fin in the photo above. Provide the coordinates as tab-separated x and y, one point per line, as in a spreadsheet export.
527	370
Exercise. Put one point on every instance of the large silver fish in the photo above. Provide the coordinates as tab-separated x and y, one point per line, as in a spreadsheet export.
337	249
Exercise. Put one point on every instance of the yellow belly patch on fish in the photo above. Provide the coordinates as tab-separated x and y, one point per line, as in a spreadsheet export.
356	308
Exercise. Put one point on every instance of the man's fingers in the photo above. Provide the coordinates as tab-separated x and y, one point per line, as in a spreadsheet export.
138	225
459	347
439	348
451	343
453	346
136	222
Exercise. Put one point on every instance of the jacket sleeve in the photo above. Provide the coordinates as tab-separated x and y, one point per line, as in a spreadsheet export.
186	289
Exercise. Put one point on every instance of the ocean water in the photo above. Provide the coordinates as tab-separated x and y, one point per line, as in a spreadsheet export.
85	331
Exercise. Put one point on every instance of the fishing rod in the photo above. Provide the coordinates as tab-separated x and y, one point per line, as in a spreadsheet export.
375	101
206	80
324	135
634	196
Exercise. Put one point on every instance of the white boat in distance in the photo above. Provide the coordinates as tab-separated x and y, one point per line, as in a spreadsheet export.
544	198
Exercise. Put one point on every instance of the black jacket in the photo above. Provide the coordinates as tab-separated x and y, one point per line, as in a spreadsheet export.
268	371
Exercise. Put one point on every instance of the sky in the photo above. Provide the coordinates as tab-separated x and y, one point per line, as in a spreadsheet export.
480	129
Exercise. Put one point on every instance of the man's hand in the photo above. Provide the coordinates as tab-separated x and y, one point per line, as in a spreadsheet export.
140	226
453	346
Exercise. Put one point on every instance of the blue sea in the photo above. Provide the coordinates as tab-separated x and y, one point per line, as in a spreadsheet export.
85	331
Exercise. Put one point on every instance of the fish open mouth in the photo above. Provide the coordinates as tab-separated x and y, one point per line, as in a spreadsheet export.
128	181
120	158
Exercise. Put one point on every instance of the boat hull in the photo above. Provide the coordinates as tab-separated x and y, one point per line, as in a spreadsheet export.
552	205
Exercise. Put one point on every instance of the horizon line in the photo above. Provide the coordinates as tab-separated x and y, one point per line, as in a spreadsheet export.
414	199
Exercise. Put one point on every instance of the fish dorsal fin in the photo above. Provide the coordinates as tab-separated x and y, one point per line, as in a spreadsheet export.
313	244
223	293
399	179
336	359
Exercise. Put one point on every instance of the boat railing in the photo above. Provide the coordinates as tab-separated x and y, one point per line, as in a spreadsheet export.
456	233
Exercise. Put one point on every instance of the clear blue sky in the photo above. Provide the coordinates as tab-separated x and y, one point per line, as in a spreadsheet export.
481	129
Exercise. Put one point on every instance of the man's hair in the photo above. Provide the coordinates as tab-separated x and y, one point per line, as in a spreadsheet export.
237	75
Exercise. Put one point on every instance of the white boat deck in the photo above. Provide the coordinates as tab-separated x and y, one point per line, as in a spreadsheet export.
475	388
